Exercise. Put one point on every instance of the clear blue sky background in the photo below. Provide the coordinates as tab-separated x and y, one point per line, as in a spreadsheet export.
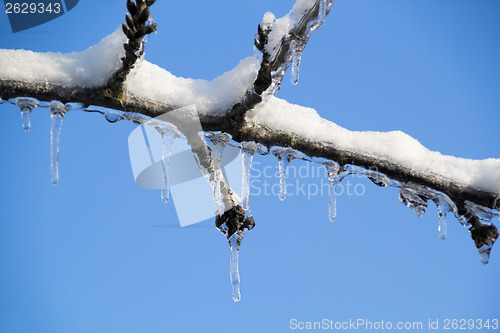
88	255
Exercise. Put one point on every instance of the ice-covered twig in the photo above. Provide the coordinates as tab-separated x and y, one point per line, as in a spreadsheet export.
277	54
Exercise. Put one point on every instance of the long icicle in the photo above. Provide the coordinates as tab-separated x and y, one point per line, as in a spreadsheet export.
322	12
333	179
443	224
285	156
57	112
283	166
219	141
168	133
234	244
296	57
248	149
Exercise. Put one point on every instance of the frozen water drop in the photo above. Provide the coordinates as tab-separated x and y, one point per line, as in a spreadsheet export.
112	117
484	253
56	118
248	148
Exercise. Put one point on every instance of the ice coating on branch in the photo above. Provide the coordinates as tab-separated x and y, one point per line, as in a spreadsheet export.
89	68
57	112
248	149
484	214
281	26
26	105
395	147
288	35
412	199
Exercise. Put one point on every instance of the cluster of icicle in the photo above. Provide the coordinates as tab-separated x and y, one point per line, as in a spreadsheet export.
294	54
214	145
411	195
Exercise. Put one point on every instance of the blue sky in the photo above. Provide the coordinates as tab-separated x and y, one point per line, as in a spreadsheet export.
99	254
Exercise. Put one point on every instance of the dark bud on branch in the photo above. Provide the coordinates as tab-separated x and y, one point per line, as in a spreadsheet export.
234	220
132	9
135	28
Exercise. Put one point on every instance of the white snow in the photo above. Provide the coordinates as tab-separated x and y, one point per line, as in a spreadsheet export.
88	68
94	66
153	83
396	146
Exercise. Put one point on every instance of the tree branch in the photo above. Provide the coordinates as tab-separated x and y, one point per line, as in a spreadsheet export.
240	125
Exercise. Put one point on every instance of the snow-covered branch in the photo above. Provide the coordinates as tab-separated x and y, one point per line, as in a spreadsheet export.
241	103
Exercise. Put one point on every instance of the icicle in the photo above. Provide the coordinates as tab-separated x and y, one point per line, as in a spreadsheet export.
285	156
26	105
168	133
219	141
234	244
334	179
58	111
283	166
233	223
322	12
25	116
297	49
443	225
444	206
248	148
